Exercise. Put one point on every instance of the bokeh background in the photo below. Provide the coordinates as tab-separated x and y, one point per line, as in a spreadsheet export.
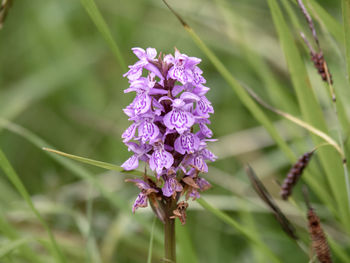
60	80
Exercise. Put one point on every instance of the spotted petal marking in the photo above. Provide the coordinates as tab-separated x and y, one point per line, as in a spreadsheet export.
204	107
148	131
171	186
160	159
141	201
187	142
142	103
178	119
200	164
131	163
129	133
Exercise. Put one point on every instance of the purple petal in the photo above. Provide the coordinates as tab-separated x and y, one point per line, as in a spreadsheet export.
204	131
151	53
139	183
129	133
186	142
171	186
135	70
189	96
200	90
179	120
194	194
199	163
176	90
141	201
139	52
203	184
169	59
204	107
208	155
131	163
160	159
142	103
197	76
178	103
148	131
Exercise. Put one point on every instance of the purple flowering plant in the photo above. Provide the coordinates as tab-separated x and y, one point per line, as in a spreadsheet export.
169	131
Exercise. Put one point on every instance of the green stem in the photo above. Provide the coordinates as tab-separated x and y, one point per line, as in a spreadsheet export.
169	233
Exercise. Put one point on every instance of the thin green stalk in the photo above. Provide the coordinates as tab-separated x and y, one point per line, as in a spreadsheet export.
169	240
150	248
169	232
97	18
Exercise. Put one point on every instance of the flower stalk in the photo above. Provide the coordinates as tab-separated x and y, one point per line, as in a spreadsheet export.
169	232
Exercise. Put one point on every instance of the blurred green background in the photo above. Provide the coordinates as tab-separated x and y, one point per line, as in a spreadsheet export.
60	80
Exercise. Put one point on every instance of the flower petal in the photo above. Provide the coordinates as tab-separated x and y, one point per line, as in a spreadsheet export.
129	133
141	201
179	120
131	163
186	142
148	131
160	159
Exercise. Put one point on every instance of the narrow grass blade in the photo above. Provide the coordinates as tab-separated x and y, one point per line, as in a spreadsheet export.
300	123
95	14
150	248
100	164
12	245
16	181
245	231
346	21
311	110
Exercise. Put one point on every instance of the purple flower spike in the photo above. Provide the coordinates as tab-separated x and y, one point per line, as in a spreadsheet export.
170	104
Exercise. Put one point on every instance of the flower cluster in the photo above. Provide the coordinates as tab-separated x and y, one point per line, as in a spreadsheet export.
169	132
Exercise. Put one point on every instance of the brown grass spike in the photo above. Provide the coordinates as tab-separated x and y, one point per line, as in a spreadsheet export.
294	174
318	238
316	57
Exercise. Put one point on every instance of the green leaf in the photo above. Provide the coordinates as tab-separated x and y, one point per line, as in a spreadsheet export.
16	181
100	164
97	18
